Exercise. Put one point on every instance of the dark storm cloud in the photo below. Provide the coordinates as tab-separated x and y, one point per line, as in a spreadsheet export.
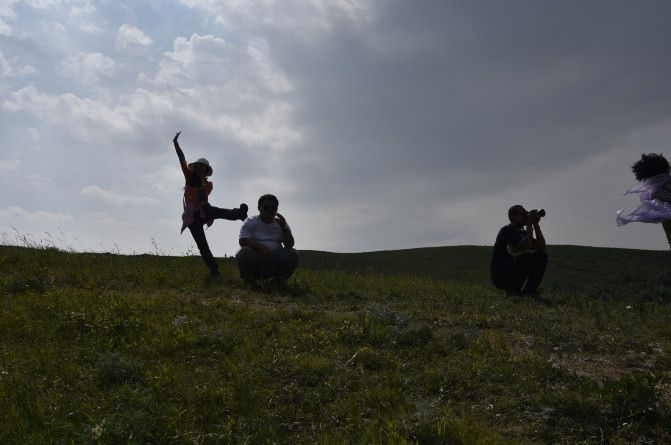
478	90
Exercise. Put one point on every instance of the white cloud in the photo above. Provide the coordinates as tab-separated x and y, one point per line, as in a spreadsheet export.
89	68
8	167
26	70
84	118
42	4
6	14
81	14
16	215
230	89
306	16
37	180
233	91
5	28
114	197
132	35
5	68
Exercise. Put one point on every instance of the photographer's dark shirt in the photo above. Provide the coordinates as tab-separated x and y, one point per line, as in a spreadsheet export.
509	234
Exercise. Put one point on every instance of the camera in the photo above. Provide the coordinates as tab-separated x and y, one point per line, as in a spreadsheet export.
539	213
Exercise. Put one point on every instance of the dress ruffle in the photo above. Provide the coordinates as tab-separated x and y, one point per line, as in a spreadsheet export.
191	210
650	210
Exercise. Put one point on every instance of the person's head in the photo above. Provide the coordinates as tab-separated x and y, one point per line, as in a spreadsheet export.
201	168
268	207
517	214
650	165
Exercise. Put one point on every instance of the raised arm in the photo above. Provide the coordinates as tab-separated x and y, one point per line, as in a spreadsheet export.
287	236
180	155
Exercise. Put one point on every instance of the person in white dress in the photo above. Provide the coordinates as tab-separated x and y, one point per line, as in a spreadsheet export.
654	191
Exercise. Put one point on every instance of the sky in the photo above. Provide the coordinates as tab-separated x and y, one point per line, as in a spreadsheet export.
379	124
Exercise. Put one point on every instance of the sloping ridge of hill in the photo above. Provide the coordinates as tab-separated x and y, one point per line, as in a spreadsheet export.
569	266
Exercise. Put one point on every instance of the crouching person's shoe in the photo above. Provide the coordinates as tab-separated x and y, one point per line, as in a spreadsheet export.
537	296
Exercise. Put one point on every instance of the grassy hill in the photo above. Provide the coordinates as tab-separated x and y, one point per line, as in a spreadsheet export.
383	347
569	267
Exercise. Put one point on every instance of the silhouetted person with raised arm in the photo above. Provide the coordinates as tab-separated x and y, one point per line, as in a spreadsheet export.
266	245
197	209
519	258
654	190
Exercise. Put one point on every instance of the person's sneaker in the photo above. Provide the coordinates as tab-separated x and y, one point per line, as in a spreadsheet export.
243	211
250	282
537	296
536	293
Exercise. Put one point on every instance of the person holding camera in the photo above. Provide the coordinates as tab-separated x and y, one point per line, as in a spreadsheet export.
519	258
266	245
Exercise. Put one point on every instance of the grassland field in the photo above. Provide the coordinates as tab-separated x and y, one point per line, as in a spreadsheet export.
411	346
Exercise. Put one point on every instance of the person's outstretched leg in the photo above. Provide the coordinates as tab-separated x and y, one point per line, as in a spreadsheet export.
536	271
667	229
229	214
198	233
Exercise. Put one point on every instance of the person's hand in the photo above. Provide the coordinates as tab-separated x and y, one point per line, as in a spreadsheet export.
176	136
281	221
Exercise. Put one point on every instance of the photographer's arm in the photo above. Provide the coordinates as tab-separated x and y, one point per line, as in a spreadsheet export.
540	239
525	245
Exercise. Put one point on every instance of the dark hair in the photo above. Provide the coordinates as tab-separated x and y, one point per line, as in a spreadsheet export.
650	165
268	197
512	210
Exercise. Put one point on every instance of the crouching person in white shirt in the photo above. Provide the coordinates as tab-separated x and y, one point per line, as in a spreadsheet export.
266	245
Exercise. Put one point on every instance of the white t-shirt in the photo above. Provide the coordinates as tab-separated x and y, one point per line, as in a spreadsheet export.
268	234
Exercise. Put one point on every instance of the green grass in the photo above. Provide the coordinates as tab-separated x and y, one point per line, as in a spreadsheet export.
388	347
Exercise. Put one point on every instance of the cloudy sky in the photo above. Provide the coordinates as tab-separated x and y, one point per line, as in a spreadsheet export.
379	124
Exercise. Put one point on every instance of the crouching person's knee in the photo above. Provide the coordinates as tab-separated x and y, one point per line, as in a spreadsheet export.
245	254
541	255
288	262
292	257
246	259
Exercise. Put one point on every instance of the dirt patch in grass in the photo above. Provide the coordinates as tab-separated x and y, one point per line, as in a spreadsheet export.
594	367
